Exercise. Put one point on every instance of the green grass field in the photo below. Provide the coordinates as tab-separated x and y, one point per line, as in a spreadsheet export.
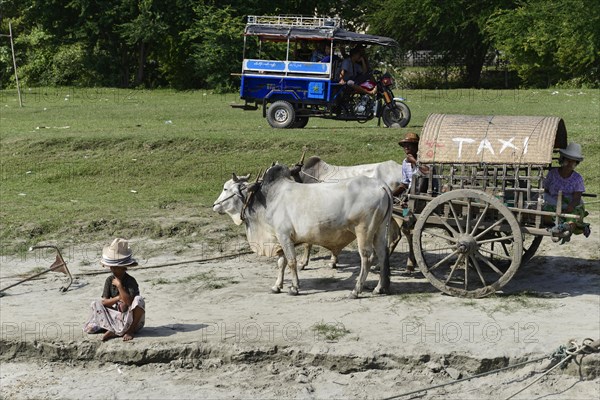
87	164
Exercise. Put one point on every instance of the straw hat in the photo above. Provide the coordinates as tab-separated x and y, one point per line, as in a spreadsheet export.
410	137
572	152
118	254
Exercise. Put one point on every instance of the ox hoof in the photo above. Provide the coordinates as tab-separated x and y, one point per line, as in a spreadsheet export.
353	295
380	290
293	291
332	265
275	289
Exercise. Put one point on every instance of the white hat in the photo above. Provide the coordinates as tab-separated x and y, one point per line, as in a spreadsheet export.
118	254
572	152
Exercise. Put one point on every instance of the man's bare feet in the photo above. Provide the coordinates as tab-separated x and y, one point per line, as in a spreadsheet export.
108	335
127	337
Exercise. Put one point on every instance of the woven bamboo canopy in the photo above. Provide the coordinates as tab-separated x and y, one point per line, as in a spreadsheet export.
499	139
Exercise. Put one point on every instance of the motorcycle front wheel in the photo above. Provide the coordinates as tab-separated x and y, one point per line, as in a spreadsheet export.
396	115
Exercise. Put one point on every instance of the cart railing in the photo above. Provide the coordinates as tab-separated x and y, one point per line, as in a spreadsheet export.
519	187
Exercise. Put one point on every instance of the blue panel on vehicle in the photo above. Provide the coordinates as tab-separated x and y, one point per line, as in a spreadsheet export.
318	68
266	65
316	90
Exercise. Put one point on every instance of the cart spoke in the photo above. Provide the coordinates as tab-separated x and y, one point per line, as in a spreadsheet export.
439	235
452	247
458	260
443	260
497	239
489	263
501	220
468	215
460	229
466	272
500	256
446	224
478	269
487	206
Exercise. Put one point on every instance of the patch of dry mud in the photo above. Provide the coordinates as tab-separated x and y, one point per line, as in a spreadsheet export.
213	330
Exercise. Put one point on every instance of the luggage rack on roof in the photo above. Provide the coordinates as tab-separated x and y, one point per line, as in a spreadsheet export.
287	20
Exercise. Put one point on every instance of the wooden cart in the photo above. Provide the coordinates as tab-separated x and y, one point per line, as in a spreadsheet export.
478	212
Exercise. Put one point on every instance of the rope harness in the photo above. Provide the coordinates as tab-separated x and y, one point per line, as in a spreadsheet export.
240	194
310	176
560	357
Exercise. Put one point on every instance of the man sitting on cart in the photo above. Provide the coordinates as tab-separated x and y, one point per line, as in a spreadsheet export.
355	71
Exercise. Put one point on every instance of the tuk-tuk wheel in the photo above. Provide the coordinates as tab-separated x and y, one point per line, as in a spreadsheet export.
300	122
281	115
396	115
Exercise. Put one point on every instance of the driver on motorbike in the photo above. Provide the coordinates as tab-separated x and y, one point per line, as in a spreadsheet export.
354	71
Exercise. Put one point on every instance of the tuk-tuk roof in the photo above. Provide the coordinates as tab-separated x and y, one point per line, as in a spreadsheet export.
500	139
320	30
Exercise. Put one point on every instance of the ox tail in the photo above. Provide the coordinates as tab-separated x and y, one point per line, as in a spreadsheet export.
385	268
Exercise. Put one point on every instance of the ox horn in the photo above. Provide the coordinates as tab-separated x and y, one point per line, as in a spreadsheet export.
301	162
251	189
234	177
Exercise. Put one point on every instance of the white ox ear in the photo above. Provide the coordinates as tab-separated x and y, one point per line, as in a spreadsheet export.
236	178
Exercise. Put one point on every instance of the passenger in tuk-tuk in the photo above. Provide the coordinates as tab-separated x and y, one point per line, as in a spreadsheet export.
565	179
328	57
355	71
302	53
319	52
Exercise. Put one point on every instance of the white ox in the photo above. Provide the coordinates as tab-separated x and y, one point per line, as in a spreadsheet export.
315	170
279	213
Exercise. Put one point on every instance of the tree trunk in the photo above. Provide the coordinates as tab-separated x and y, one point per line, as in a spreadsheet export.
474	60
139	78
124	67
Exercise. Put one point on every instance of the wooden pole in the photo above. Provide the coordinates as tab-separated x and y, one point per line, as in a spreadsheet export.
12	48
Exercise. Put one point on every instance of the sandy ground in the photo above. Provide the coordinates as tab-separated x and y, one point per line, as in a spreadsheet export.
214	330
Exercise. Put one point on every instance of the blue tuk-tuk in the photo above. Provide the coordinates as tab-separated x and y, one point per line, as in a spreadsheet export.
293	88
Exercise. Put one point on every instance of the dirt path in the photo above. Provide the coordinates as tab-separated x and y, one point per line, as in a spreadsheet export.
213	330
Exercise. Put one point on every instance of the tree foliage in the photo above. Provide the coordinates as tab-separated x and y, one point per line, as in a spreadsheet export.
453	28
198	43
551	41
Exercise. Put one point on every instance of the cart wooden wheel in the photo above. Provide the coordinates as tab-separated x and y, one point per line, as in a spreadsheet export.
530	245
457	247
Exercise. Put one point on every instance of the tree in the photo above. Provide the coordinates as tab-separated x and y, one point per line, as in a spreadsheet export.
215	38
453	28
548	42
144	30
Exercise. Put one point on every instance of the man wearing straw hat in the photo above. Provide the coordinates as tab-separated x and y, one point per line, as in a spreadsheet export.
121	312
410	145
